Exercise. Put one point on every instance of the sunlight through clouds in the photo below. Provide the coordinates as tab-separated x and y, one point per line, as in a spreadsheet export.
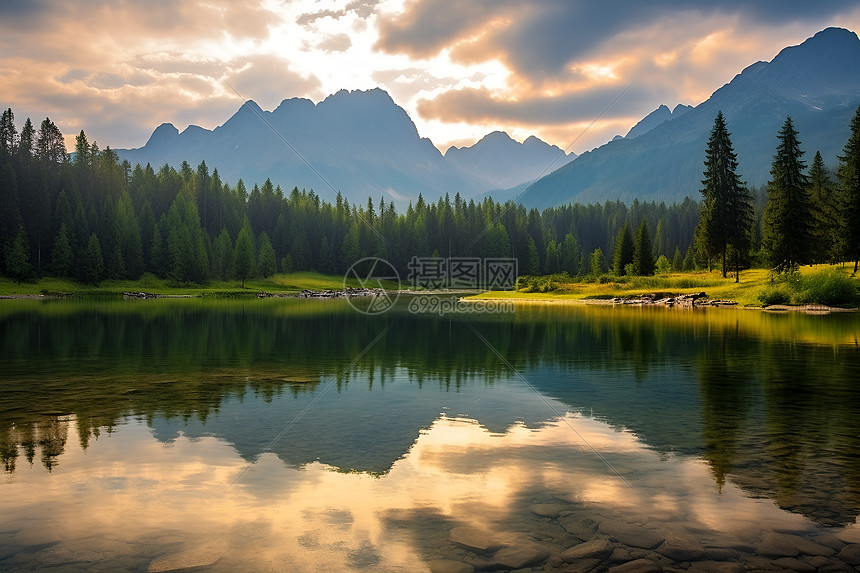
460	71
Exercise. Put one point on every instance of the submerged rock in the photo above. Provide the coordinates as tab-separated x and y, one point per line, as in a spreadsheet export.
638	566
593	548
631	535
850	554
449	566
551	510
185	561
476	540
682	548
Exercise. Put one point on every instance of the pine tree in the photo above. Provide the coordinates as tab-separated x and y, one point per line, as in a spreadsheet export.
678	260
222	256
92	265
623	255
643	259
243	259
660	239
532	258
551	258
266	265
598	262
787	218
825	213
62	256
8	135
849	182
18	257
726	218
571	254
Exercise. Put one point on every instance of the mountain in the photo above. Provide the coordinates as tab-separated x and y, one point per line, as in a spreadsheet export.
817	83
655	118
357	142
501	162
360	143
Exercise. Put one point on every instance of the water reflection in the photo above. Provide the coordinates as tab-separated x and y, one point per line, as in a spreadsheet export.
428	426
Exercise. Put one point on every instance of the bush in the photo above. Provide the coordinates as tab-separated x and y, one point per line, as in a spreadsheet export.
778	294
828	287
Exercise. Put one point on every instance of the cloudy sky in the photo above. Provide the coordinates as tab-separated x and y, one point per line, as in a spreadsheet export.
461	68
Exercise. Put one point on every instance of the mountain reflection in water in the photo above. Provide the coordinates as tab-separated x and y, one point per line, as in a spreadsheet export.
716	421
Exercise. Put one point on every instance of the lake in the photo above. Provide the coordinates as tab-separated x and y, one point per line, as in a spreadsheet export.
293	435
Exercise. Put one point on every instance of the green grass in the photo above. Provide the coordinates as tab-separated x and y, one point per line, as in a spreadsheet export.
289	282
747	292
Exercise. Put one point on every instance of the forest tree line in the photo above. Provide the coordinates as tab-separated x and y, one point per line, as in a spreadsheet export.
92	217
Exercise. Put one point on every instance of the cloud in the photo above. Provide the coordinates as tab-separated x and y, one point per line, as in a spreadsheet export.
540	39
335	43
480	104
268	80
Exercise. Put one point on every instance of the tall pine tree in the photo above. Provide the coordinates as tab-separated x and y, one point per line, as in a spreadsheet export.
849	182
726	218
787	220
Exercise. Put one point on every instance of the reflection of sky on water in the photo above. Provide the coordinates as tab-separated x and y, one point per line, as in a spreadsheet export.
136	497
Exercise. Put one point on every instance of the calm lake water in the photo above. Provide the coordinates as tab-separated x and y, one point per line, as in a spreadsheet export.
289	435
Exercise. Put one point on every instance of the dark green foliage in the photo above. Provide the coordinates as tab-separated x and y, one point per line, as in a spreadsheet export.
244	264
266	265
18	257
677	261
787	221
571	255
92	264
827	244
830	287
849	188
532	258
598	262
776	294
727	217
222	256
62	257
643	259
178	223
623	254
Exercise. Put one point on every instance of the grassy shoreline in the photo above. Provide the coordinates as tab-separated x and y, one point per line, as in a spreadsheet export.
280	283
745	293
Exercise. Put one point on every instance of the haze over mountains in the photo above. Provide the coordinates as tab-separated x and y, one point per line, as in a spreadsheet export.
362	144
359	143
817	83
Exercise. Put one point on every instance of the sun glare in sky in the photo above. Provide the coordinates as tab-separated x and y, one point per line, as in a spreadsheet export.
545	68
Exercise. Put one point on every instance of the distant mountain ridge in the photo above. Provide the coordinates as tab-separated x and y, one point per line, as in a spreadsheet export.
817	83
362	144
503	163
359	143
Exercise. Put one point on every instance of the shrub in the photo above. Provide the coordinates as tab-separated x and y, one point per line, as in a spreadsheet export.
777	294
828	287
